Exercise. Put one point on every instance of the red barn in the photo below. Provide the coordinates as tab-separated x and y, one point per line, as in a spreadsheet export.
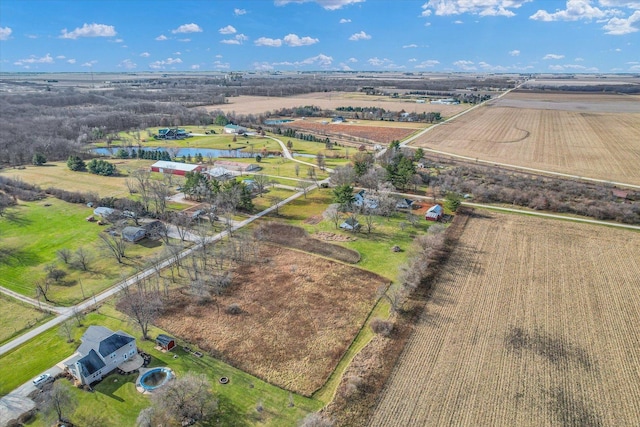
165	342
174	168
434	213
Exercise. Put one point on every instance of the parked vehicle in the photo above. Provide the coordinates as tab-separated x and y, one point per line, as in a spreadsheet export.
42	380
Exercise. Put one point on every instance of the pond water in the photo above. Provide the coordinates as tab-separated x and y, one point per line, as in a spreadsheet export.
180	152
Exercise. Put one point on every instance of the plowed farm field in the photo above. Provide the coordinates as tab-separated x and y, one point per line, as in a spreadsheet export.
579	137
532	323
329	100
380	134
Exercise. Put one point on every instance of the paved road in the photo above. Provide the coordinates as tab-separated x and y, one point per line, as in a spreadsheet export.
41	305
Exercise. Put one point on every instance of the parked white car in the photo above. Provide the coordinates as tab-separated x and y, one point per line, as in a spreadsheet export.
42	380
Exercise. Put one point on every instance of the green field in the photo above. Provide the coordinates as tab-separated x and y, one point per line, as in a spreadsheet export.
33	232
119	403
17	317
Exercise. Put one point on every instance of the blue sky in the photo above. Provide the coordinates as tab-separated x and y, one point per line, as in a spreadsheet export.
574	36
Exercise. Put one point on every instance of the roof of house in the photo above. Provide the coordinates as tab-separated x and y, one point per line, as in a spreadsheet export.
236	165
133	233
103	339
218	172
435	208
350	222
163	164
103	210
91	363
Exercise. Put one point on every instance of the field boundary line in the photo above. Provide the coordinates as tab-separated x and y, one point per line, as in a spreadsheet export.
552	216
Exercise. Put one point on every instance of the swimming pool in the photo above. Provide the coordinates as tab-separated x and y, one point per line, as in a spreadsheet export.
154	378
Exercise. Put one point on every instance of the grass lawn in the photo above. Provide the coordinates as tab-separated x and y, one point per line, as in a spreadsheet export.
119	403
58	175
375	248
16	317
32	233
265	200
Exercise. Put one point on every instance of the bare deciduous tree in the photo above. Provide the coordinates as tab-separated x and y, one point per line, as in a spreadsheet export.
114	244
66	330
59	401
64	255
142	303
82	258
184	401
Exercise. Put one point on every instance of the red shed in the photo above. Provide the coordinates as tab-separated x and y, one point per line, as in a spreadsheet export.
434	213
165	342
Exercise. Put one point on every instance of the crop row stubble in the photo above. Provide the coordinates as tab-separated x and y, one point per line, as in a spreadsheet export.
530	323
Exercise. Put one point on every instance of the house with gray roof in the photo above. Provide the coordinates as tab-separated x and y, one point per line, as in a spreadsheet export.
101	351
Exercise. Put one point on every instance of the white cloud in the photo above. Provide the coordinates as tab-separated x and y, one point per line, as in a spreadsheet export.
71	61
514	52
621	26
294	41
177	53
238	39
266	41
161	64
219	65
474	7
5	33
118	40
321	60
161	37
145	54
187	28
412	60
407	46
465	65
31	36
385	63
89	30
552	56
262	66
575	10
195	67
326	4
572	67
239	12
229	29
184	40
578	59
428	64
61	57
128	64
345	67
634	68
218	56
89	63
345	21
352	60
458	22
47	59
360	36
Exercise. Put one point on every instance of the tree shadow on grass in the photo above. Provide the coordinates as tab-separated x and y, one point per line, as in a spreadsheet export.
13	217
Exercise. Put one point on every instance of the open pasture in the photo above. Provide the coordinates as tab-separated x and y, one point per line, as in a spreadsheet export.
531	323
17	316
329	101
33	233
299	315
58	175
591	144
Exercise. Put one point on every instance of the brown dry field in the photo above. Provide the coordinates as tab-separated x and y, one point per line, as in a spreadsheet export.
383	135
591	144
329	100
300	314
532	323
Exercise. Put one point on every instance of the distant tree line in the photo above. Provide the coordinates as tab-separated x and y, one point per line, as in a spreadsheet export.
488	185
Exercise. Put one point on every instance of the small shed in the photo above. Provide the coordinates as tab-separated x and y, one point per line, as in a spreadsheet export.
434	213
134	234
165	342
103	211
351	224
404	204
